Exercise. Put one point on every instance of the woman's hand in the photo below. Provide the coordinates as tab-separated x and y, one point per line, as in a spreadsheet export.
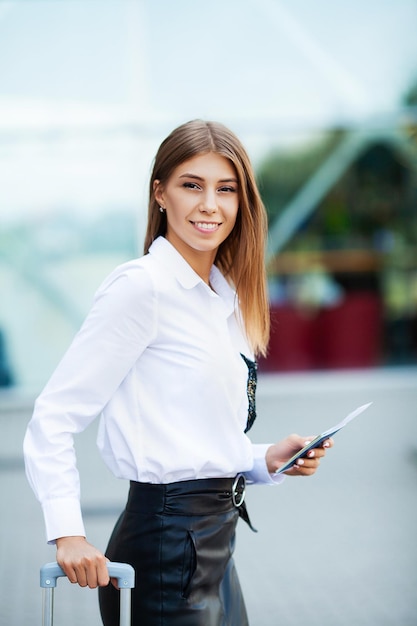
82	562
279	453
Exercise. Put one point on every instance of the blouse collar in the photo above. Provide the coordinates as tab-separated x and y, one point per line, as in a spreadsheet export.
163	250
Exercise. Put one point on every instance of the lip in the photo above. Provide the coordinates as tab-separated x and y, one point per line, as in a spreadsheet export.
206	227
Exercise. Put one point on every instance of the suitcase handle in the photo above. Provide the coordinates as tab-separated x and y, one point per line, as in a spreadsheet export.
124	573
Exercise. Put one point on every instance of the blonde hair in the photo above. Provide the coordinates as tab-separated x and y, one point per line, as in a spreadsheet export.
241	257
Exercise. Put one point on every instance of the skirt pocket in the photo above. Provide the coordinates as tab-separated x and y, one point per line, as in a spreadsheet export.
189	565
212	541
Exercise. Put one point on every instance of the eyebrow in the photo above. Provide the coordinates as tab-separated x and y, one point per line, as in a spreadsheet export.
196	177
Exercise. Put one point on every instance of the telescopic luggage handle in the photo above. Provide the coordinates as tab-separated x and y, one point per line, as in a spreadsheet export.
124	573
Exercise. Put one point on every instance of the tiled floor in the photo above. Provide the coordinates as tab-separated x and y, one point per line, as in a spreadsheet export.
338	549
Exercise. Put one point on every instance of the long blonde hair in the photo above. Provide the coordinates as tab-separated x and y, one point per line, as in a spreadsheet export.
241	257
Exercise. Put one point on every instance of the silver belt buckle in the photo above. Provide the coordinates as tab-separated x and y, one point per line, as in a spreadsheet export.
238	498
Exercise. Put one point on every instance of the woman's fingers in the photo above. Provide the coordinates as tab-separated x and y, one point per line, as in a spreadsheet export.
306	466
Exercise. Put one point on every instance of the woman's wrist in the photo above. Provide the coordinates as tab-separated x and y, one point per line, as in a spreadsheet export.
70	539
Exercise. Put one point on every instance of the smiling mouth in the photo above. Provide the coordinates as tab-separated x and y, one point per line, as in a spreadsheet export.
206	225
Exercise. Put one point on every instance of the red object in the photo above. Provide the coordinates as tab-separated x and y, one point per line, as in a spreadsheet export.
351	333
291	346
348	335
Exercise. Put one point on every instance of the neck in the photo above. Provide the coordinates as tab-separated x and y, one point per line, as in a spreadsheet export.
200	261
201	264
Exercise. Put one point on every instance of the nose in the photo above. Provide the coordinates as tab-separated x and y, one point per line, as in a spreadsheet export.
209	204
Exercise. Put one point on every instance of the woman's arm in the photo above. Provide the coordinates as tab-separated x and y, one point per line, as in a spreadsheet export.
118	328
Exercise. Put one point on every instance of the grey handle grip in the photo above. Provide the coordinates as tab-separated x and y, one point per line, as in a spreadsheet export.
124	573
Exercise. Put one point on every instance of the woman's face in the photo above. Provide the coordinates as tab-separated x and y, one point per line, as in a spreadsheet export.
201	199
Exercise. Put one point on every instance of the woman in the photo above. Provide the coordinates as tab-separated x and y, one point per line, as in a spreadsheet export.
167	357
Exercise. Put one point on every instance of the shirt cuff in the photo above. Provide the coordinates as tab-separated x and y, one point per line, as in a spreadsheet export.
259	472
62	518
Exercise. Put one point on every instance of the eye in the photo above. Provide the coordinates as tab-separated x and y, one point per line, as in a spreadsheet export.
191	186
228	189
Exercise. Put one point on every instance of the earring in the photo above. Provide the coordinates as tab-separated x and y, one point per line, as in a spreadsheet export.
162	210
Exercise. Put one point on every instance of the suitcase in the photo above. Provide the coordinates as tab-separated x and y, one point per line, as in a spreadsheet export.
124	573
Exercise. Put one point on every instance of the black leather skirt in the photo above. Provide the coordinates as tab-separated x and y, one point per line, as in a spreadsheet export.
180	540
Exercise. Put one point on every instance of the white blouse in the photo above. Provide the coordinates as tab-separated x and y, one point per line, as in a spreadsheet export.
159	358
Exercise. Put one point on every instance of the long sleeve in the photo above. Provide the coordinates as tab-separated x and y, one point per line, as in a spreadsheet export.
259	473
114	334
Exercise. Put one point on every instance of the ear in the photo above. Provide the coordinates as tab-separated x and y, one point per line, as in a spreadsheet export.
158	192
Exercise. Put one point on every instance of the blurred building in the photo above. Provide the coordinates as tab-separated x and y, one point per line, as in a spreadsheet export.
343	249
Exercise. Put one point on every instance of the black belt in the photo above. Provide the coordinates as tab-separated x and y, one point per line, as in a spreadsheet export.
206	496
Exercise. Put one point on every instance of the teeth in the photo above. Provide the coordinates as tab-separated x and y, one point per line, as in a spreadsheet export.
206	226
